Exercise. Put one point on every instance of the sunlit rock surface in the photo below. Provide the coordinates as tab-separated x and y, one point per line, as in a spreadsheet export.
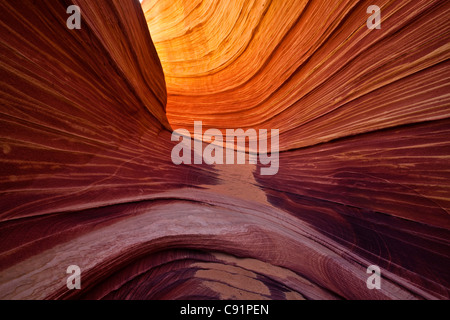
86	176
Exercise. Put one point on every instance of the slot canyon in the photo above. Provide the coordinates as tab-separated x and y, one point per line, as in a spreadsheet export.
87	178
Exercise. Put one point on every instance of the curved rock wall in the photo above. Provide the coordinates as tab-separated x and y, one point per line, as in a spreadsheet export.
86	176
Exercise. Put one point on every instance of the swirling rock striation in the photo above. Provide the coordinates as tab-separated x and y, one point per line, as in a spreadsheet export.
86	176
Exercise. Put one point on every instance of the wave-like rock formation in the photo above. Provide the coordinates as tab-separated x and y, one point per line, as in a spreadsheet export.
87	179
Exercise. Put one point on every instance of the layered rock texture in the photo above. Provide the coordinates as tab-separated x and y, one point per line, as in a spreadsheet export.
87	179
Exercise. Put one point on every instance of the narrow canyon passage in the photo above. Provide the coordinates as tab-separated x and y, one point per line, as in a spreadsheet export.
87	176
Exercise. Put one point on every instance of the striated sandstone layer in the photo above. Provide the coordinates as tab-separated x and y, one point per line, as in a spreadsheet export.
87	179
309	68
